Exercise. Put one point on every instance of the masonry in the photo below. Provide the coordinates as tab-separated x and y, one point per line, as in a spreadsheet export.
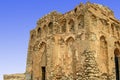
82	44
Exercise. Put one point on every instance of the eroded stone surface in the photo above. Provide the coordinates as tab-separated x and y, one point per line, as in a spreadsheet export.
78	45
14	77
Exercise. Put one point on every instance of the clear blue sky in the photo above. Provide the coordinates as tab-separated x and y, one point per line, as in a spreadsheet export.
18	17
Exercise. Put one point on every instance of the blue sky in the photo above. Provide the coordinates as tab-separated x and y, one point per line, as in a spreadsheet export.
18	17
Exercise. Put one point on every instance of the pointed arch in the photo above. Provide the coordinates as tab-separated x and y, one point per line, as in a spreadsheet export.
70	41
45	30
72	54
71	25
39	31
50	26
80	20
104	53
63	27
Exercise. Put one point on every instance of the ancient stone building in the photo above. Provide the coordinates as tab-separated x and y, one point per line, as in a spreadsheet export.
83	44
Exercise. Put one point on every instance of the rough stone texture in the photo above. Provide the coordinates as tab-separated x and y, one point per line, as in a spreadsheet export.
14	77
78	45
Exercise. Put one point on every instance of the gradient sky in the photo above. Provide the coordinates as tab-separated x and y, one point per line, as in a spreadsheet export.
18	17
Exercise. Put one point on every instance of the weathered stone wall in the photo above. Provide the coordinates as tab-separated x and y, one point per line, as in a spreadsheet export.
14	77
78	45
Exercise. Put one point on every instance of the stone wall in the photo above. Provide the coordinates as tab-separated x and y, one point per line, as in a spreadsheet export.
79	45
76	45
14	77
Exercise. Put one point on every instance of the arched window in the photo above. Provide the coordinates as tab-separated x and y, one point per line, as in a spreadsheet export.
39	31
117	53
75	10
45	30
71	26
50	25
63	26
104	53
72	54
70	41
80	21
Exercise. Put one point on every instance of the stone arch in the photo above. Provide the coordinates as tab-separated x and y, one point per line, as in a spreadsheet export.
112	29
70	40
94	20
63	27
39	32
72	54
71	25
117	63
80	20
104	53
50	26
75	10
43	61
45	30
32	36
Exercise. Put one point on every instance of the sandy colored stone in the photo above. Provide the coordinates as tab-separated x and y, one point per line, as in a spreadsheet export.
78	45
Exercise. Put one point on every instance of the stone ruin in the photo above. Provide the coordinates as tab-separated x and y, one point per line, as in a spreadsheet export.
82	44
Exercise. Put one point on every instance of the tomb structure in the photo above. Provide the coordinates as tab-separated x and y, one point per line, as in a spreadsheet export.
82	44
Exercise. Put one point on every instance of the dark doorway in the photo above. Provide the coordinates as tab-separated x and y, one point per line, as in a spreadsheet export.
116	52
43	73
117	67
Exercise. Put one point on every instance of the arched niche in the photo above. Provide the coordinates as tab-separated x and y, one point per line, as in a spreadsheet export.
94	20
39	31
104	53
72	55
80	20
71	25
45	30
50	26
63	27
117	63
70	41
32	35
43	61
112	29
75	10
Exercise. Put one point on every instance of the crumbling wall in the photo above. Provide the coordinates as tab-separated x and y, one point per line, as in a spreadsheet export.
14	77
